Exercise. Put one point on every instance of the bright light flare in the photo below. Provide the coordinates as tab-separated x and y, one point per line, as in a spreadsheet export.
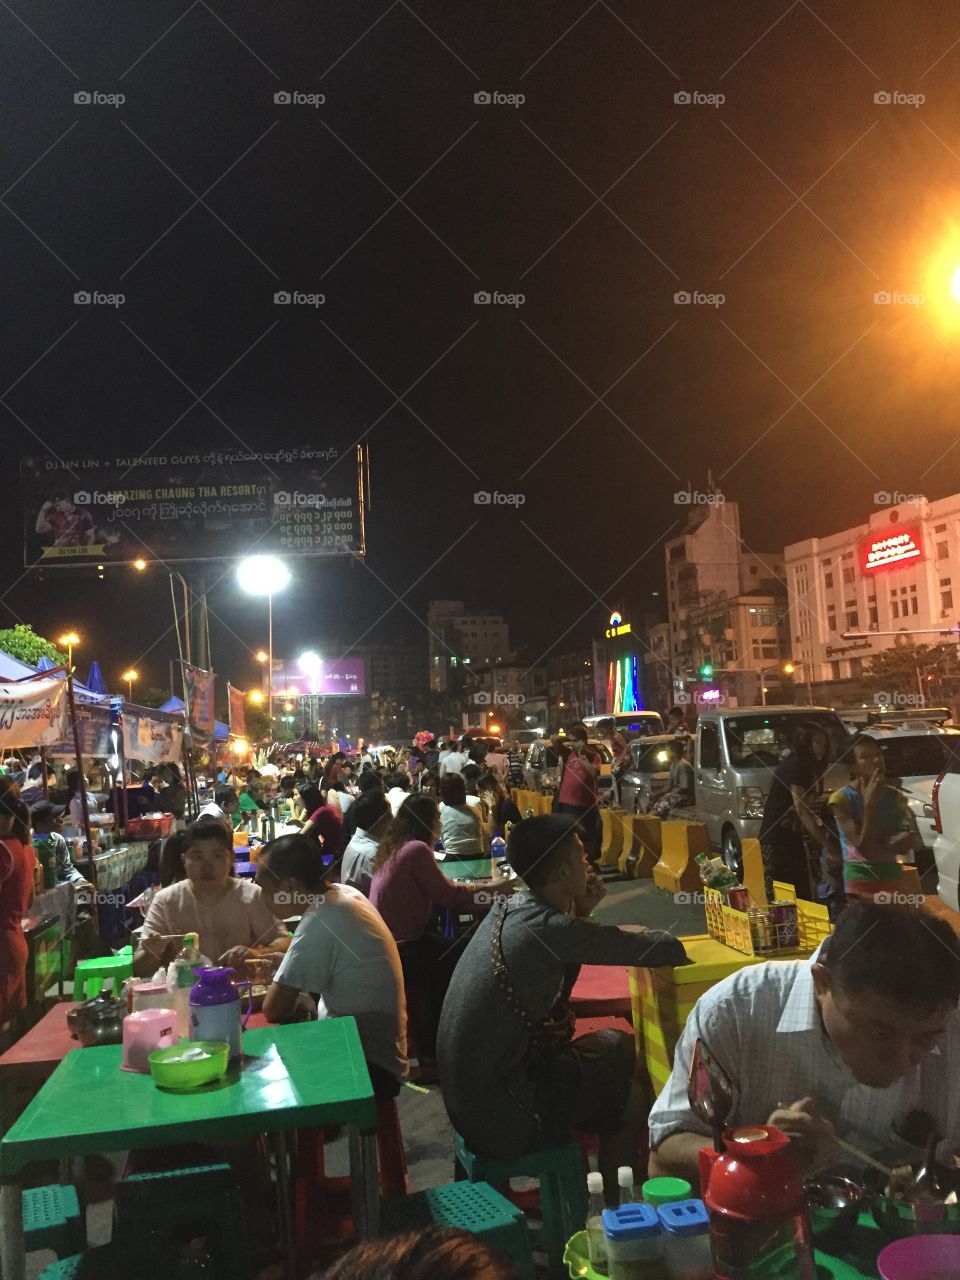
256	697
262	575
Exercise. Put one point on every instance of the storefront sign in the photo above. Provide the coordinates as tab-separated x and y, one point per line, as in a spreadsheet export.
205	506
32	713
617	627
894	547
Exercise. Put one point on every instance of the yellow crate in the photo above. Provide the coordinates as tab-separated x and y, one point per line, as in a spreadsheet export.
713	904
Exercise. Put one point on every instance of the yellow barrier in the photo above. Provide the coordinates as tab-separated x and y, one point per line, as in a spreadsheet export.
753	870
641	845
612	837
681	842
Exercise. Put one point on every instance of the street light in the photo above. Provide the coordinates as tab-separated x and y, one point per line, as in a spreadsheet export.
263	576
140	564
256	696
130	675
67	641
261	655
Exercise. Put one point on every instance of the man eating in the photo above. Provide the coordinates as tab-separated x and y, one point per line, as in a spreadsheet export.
844	1045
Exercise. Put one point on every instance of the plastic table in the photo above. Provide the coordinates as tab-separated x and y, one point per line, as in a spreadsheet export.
90	1106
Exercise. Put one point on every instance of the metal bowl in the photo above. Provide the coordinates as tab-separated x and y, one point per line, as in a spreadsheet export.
899	1218
834	1202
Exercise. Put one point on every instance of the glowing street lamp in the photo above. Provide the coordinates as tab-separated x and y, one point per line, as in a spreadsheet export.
263	576
140	564
261	655
67	641
256	697
130	675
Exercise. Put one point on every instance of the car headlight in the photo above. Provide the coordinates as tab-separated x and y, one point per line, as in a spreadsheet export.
750	802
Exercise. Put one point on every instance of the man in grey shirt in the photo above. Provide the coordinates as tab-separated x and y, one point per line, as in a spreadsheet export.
512	1080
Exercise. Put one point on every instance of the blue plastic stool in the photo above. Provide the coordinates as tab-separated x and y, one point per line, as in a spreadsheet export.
52	1220
205	1194
64	1269
563	1188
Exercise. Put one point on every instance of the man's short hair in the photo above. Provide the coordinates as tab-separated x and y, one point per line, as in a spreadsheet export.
369	780
895	951
209	828
369	807
224	796
536	846
453	789
396	780
578	730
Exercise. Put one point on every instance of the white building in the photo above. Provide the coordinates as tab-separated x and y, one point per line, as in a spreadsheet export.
460	640
894	573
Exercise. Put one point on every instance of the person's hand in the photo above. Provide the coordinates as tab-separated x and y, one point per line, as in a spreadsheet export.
594	894
873	788
812	1139
236	957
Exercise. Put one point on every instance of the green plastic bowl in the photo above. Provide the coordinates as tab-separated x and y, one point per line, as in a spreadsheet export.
170	1072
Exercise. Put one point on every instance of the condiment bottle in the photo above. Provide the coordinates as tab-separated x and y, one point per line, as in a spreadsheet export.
658	1191
625	1183
686	1237
634	1242
181	978
596	1241
758	1212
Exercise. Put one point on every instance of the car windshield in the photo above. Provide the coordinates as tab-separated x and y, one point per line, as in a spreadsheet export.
759	740
922	756
650	757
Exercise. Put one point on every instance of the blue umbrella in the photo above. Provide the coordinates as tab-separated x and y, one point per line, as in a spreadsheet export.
95	679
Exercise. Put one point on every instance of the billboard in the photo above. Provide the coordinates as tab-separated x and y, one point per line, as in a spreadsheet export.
204	506
337	677
891	547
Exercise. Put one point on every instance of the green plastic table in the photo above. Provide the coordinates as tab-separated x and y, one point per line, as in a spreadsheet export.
467	868
306	1074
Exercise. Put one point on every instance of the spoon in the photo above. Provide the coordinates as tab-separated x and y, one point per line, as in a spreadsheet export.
919	1129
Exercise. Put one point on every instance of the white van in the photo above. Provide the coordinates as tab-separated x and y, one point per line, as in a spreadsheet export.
735	754
632	724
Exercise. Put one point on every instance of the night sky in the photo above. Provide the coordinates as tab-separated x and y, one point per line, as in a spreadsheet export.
797	198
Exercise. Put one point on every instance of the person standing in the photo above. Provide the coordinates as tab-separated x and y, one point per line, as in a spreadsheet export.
791	812
578	794
17	861
454	760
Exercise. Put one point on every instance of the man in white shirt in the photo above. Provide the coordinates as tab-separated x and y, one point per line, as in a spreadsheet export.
342	952
373	814
454	761
845	1045
397	786
223	805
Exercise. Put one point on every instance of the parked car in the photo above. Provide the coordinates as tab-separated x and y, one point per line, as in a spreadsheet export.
647	772
735	754
541	770
945	801
632	724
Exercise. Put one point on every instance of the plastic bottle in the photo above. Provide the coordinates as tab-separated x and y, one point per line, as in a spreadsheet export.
635	1243
498	848
686	1232
625	1183
596	1240
181	978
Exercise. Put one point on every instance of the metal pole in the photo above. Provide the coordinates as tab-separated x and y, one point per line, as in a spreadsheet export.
270	661
84	808
43	766
763	691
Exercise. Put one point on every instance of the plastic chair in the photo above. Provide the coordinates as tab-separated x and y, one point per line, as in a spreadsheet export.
472	1206
90	975
52	1220
563	1194
204	1194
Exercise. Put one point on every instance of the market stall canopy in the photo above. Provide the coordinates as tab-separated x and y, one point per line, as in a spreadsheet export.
82	692
12	668
95	679
221	731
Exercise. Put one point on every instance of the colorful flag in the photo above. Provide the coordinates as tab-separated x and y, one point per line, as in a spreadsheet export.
200	688
235	707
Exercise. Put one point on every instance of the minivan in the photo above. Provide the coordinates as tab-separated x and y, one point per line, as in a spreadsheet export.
735	754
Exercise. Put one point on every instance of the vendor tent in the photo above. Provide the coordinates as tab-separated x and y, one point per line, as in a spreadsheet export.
82	692
95	679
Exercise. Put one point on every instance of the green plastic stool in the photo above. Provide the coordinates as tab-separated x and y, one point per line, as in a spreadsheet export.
64	1269
206	1194
52	1220
473	1206
89	975
563	1188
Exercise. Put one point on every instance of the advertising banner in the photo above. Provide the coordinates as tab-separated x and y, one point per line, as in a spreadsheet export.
236	711
152	741
202	506
33	713
328	678
93	726
199	700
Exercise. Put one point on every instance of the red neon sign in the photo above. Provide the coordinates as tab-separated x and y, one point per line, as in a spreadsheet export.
895	546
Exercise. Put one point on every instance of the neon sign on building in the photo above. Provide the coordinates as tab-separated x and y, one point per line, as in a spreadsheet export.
893	547
617	626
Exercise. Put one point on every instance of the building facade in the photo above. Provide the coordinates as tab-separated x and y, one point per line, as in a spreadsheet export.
458	641
892	574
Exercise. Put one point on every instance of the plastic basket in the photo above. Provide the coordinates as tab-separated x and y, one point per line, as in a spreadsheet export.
162	825
732	927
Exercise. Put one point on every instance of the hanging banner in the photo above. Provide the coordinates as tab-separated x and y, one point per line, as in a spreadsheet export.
199	700
93	727
152	741
33	713
237	712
